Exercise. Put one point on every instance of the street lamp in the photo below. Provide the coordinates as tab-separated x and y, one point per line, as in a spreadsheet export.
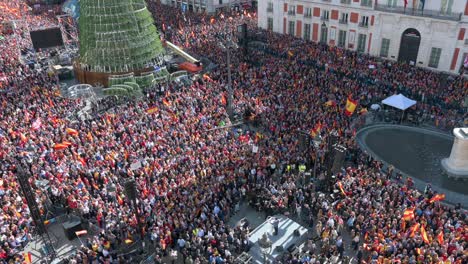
265	246
227	47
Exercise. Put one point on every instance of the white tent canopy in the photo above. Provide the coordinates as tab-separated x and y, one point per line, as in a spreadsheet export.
399	101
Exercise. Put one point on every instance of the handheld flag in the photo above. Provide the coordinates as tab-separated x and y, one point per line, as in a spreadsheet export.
408	214
413	230
440	237
316	130
223	99
152	110
424	235
166	103
340	185
28	258
350	106
60	146
71	131
437	197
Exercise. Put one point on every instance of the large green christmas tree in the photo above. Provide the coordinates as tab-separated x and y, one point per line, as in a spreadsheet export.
117	36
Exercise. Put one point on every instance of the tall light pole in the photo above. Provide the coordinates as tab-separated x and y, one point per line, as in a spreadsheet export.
227	46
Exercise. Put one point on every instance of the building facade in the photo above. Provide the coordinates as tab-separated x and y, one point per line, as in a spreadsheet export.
428	33
209	6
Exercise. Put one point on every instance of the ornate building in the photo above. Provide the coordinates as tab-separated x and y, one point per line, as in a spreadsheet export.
427	33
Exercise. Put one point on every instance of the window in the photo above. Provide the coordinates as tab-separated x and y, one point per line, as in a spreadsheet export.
342	38
435	56
270	7
446	7
346	2
392	3
307	31
325	15
220	2
324	34
291	10
366	2
361	46
270	23
344	18
291	28
308	12
364	21
384	48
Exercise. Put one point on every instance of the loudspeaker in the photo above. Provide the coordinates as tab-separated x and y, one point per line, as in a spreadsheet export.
130	189
70	227
338	158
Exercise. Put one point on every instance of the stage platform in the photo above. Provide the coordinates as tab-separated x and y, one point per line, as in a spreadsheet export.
286	239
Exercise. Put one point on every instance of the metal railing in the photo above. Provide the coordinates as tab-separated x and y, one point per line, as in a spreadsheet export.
324	18
418	12
346	2
364	25
292	13
342	21
307	15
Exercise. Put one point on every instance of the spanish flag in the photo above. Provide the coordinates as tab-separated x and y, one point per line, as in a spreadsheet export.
424	235
290	54
440	237
408	214
437	197
66	143
340	185
152	110
71	131
28	258
90	137
23	138
223	99
60	146
166	103
419	251
413	230
316	130
350	106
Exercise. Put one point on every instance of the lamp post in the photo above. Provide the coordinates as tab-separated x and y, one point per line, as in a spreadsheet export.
265	246
227	39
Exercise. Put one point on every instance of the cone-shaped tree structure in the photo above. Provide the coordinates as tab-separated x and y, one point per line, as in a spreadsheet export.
117	36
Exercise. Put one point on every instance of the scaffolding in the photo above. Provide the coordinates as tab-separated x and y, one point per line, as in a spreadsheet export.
118	36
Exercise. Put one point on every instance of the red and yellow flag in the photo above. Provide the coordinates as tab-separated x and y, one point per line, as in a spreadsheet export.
408	214
90	137
350	106
437	197
340	185
28	258
440	237
330	103
413	230
424	235
166	103
71	131
316	130
152	110
223	99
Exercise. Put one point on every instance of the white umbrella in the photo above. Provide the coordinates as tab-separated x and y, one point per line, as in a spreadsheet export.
375	106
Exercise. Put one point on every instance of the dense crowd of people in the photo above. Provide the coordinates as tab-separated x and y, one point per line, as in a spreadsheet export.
191	178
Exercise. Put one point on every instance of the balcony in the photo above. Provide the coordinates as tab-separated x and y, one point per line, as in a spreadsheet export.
270	10
342	21
307	15
418	12
346	2
364	25
292	13
324	18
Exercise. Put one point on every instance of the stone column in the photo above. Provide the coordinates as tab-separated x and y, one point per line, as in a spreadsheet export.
456	165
